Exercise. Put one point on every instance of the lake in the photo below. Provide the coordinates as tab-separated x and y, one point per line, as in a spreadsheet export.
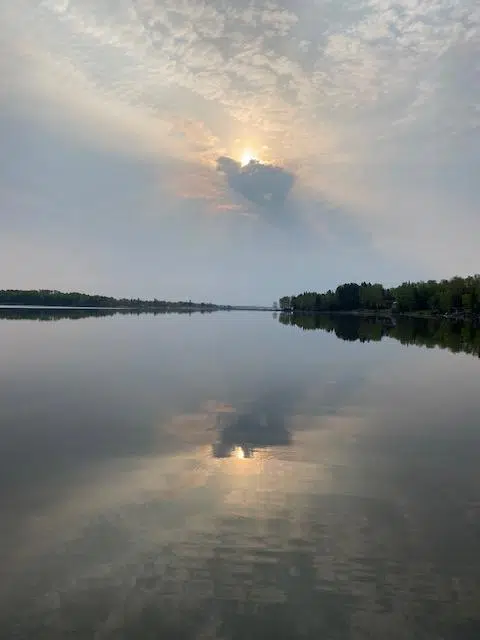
234	475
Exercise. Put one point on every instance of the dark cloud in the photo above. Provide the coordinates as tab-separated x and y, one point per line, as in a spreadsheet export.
263	184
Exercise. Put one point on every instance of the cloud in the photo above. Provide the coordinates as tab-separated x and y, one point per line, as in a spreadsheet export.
263	184
372	107
364	68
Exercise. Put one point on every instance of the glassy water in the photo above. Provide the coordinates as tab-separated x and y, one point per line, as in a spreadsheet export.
225	476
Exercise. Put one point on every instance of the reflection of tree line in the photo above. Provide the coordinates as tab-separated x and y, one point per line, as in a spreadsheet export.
458	337
48	315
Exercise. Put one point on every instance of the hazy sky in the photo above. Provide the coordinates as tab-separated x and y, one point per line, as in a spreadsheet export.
124	125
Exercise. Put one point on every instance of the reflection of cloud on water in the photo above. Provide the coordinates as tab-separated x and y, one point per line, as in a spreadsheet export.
183	546
265	423
249	432
297	565
233	432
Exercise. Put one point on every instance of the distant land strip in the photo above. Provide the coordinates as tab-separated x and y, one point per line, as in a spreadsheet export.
74	300
50	297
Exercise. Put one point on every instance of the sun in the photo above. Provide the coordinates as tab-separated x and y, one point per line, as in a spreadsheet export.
239	453
247	157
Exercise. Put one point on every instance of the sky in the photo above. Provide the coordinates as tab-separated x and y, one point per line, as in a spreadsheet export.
235	151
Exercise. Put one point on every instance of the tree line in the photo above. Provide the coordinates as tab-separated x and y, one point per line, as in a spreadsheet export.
48	297
458	337
455	296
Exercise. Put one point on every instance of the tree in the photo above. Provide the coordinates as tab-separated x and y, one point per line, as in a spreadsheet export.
446	296
285	302
348	296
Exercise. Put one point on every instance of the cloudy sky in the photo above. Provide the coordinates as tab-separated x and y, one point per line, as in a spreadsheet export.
128	127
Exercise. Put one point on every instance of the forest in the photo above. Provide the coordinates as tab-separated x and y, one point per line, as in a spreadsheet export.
457	296
48	297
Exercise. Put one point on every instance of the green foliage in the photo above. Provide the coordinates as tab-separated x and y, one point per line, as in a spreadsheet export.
454	296
47	297
285	303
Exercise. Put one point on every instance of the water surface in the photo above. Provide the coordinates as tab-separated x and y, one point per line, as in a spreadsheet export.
229	477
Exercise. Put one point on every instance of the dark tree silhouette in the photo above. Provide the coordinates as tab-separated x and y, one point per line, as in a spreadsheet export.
457	296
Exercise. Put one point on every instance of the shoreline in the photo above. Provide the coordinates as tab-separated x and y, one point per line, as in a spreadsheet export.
382	313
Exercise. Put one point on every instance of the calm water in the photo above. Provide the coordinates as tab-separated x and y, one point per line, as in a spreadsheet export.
225	476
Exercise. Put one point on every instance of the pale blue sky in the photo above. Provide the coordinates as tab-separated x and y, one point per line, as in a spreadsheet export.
113	114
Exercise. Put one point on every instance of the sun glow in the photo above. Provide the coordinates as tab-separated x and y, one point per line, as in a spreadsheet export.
239	453
247	157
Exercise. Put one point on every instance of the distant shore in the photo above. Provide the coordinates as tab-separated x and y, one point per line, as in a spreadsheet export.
141	307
